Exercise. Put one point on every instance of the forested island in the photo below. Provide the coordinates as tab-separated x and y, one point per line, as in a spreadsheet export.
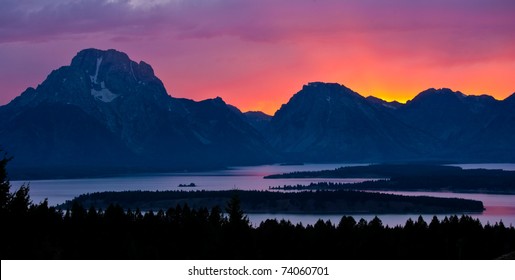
190	185
419	177
306	202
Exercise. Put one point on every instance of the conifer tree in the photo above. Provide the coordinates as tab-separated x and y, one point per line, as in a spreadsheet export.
5	185
237	218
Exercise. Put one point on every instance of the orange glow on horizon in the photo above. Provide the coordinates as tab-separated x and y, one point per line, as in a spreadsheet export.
399	86
263	79
257	54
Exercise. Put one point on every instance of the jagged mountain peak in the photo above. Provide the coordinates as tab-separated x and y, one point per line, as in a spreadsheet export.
114	68
440	93
91	60
217	100
327	89
258	114
92	54
388	104
444	100
317	94
439	101
97	77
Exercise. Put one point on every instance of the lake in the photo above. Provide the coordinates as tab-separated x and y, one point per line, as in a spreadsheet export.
498	207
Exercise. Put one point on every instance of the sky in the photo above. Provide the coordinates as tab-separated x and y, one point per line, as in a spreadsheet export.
257	54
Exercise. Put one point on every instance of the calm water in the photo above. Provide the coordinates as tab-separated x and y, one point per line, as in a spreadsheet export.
243	178
498	207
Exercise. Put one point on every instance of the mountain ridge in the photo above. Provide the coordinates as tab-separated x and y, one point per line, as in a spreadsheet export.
106	111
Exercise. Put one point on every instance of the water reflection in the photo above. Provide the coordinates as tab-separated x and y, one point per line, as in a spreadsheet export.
498	207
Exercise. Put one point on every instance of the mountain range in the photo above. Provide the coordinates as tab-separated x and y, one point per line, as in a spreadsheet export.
105	114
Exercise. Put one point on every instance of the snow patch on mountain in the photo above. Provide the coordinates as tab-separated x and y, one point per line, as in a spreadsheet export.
132	72
94	77
104	95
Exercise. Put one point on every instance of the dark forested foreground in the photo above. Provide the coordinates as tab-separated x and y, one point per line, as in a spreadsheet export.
42	232
37	231
425	177
306	202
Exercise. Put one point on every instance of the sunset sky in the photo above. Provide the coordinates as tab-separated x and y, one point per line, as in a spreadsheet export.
257	54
